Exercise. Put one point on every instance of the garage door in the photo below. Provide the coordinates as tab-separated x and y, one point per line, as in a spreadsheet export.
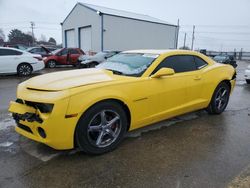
86	39
70	38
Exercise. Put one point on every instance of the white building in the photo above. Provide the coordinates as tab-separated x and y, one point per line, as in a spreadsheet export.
96	28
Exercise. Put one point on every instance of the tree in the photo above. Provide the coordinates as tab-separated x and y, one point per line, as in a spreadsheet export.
2	35
17	36
52	40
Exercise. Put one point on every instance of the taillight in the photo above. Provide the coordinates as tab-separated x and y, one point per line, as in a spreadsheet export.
39	58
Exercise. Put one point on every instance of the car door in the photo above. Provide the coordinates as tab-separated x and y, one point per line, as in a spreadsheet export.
195	82
9	60
169	93
62	56
73	56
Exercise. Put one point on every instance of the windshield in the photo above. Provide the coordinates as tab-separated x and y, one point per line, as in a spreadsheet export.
132	64
56	51
219	58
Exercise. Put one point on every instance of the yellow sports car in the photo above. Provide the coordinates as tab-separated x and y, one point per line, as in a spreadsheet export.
94	108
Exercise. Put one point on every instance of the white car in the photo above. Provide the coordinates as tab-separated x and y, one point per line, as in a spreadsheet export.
247	74
23	63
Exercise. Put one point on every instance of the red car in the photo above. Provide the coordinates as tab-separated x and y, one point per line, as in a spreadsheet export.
64	56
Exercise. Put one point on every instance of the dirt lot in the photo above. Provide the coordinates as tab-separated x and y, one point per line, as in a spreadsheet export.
194	150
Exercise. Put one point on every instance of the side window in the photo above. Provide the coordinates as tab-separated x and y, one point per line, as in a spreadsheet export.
180	63
74	51
64	52
200	63
6	52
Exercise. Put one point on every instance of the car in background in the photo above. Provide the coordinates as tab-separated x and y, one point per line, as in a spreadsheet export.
87	61
17	46
226	59
247	74
42	50
63	56
23	63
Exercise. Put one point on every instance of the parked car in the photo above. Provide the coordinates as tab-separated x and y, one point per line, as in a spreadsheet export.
43	51
87	61
226	59
247	74
17	61
64	56
17	46
94	108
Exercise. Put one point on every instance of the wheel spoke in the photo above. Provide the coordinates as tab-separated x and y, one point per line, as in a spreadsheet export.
111	133
99	139
111	122
219	105
223	93
94	128
103	117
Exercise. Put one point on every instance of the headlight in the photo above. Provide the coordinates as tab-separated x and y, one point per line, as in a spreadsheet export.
43	107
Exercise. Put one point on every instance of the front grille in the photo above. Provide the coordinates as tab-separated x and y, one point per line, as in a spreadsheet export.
24	127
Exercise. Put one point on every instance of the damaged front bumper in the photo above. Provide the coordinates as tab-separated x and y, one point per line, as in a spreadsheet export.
51	128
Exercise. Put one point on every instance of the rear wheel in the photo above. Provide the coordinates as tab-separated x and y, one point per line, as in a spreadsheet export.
101	128
248	81
24	69
51	64
220	99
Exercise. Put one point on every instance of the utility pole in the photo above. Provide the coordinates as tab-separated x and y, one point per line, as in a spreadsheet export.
177	34
192	47
32	28
185	36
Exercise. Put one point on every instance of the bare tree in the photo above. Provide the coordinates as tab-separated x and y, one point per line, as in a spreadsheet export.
2	35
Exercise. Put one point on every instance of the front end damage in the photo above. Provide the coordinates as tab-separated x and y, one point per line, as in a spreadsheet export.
41	116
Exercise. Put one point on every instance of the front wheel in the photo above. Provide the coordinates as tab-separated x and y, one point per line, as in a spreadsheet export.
220	99
51	64
24	69
101	128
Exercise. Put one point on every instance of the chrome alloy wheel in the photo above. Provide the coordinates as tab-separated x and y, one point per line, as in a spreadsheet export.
104	128
221	98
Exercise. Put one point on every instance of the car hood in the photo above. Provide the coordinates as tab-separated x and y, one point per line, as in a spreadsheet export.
68	79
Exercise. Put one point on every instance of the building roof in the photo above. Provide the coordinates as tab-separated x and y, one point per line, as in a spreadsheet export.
124	14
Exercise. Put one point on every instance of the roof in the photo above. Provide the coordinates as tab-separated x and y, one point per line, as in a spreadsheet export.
122	13
161	51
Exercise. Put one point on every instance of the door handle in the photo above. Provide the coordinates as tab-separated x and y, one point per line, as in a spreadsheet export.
197	77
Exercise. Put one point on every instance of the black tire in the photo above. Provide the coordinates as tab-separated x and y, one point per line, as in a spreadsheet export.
248	81
51	64
220	99
92	64
24	69
91	134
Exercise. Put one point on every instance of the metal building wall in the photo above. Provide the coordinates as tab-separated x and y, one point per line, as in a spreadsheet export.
128	34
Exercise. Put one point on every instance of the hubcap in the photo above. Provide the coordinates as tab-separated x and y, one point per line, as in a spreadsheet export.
104	128
52	64
221	98
25	70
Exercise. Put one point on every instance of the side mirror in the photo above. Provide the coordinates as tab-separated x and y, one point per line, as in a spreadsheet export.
163	72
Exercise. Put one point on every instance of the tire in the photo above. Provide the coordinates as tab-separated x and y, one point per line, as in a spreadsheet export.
220	99
92	64
24	69
248	81
95	131
51	64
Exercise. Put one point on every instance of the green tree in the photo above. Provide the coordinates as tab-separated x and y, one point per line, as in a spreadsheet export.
17	36
52	40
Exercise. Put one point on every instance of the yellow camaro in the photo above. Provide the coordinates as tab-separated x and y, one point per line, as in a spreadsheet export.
94	108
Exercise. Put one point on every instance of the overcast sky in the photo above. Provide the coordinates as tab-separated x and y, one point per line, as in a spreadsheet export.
220	24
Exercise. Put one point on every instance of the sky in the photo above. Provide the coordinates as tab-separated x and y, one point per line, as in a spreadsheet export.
222	25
